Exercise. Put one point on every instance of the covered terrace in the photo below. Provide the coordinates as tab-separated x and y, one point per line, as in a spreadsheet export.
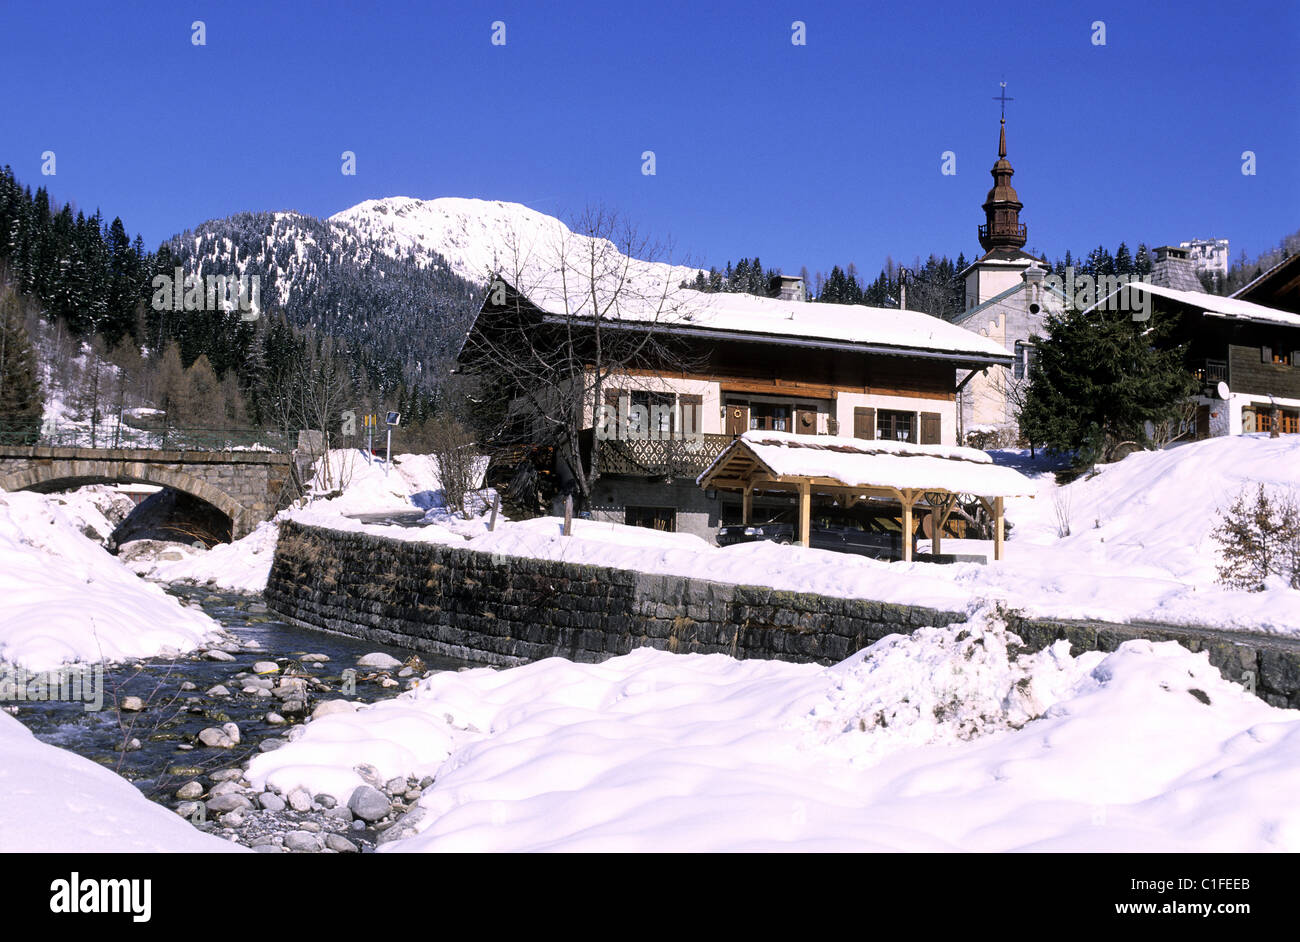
853	469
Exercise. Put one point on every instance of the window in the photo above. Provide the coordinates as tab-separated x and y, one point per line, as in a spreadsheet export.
1026	354
768	417
896	426
654	518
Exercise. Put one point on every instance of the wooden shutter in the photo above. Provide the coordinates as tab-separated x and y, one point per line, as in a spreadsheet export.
737	419
864	422
1266	354
611	399
692	414
931	424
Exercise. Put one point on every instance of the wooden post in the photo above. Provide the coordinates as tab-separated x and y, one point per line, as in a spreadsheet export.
908	500
936	530
568	515
496	505
747	506
805	513
999	532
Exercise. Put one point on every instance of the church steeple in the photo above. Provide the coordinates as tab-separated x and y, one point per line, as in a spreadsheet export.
1002	228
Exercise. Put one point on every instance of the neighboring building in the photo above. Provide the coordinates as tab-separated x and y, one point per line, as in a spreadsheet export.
1208	255
757	363
1279	287
1006	302
1174	269
1247	357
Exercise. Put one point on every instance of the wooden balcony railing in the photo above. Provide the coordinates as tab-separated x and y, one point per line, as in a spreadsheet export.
666	458
1212	372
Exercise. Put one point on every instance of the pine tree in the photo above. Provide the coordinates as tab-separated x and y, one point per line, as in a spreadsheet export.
22	403
1142	261
1123	260
1098	379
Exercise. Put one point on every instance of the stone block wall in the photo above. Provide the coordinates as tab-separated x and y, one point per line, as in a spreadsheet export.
507	610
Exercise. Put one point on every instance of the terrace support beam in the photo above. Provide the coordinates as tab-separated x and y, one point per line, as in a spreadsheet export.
747	506
908	499
999	532
805	513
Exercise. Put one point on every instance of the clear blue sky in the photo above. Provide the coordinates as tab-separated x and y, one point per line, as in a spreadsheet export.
815	155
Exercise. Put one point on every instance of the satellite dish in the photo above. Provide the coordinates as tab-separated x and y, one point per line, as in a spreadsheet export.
1223	390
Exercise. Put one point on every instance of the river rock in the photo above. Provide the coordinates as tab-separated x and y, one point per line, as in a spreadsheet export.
232	731
388	682
227	775
275	719
300	800
368	803
326	801
187	809
228	787
293	706
132	704
314	658
326	707
224	804
134	745
379	660
216	738
189	791
216	654
270	801
369	774
302	842
339	843
266	667
395	786
220	690
233	819
189	685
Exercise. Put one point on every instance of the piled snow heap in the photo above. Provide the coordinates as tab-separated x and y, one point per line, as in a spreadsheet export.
949	739
66	599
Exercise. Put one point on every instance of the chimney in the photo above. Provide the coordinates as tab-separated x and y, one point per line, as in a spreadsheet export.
1173	269
789	287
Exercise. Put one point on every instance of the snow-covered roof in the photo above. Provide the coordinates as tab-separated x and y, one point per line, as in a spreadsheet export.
771	320
1213	305
857	462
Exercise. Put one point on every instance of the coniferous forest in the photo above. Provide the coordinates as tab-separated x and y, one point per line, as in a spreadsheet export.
336	323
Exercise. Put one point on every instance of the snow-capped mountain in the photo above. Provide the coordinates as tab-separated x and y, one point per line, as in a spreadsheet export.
402	276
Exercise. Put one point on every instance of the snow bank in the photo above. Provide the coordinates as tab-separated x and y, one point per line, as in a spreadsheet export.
56	801
946	740
66	599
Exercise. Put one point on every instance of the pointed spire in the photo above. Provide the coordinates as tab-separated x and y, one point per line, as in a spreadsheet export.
1002	228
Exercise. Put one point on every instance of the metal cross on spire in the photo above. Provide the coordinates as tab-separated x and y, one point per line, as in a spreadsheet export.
1004	99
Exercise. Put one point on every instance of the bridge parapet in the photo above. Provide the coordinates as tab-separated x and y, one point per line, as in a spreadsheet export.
248	486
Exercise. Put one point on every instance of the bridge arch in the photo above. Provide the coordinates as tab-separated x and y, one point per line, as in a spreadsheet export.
63	474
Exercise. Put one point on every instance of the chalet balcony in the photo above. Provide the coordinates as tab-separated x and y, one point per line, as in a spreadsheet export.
661	458
1212	372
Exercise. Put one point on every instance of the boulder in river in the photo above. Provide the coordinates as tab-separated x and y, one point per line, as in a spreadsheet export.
379	660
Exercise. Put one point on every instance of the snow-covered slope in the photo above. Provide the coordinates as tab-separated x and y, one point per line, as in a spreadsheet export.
54	801
945	740
472	235
66	599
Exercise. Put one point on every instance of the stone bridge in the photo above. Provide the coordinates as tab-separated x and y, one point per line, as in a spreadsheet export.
246	486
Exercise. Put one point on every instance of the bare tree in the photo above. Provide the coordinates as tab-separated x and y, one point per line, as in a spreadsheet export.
567	311
456	459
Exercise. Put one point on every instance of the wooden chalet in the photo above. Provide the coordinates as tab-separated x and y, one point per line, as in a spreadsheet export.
1246	355
749	363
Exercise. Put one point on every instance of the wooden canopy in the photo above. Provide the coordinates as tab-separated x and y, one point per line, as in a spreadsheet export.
852	470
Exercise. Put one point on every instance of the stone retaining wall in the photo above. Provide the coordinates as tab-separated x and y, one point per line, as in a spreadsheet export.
507	610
